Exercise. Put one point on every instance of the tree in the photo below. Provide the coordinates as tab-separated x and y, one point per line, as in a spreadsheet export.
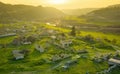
89	37
31	39
73	32
114	41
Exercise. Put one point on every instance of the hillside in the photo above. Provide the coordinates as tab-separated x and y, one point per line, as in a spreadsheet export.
13	13
110	13
104	20
43	49
78	12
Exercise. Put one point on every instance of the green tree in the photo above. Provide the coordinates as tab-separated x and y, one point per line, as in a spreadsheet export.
73	32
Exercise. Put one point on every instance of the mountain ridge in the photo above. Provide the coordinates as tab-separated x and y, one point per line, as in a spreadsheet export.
110	13
78	12
27	12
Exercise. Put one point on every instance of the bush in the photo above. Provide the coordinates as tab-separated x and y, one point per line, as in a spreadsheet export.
73	32
31	39
114	41
89	38
39	62
107	40
104	46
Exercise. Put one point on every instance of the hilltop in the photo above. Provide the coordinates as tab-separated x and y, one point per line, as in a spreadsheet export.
110	13
12	13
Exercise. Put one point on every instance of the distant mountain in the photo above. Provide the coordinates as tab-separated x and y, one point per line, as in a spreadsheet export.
78	12
110	13
10	12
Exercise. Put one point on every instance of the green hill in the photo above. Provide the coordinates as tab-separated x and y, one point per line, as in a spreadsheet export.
78	12
13	13
82	55
110	13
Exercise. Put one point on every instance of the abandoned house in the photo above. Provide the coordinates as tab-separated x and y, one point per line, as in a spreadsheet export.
39	48
113	61
17	54
65	43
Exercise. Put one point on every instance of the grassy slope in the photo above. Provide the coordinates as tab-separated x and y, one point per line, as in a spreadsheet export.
82	21
31	63
108	15
78	12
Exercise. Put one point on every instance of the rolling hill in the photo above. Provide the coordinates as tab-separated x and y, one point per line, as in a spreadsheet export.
13	13
78	12
110	13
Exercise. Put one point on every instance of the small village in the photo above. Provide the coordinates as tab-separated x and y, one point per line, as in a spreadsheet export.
60	50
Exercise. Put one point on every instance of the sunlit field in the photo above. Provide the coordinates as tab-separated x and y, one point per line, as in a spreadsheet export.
49	40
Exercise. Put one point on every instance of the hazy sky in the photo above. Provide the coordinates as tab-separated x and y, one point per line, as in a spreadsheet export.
69	4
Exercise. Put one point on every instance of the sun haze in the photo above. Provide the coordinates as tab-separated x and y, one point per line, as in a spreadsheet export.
66	4
57	1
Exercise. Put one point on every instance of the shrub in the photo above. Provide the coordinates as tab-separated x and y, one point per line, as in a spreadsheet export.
104	45
73	32
31	39
39	62
89	38
107	40
114	41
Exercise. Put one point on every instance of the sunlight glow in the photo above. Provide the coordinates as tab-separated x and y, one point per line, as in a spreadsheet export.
57	1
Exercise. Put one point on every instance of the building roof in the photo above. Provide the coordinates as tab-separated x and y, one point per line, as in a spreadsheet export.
17	54
116	61
39	48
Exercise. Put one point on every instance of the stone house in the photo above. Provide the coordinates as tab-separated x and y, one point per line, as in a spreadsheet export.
39	48
17	54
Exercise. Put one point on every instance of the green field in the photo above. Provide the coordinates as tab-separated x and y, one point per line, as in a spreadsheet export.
40	63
